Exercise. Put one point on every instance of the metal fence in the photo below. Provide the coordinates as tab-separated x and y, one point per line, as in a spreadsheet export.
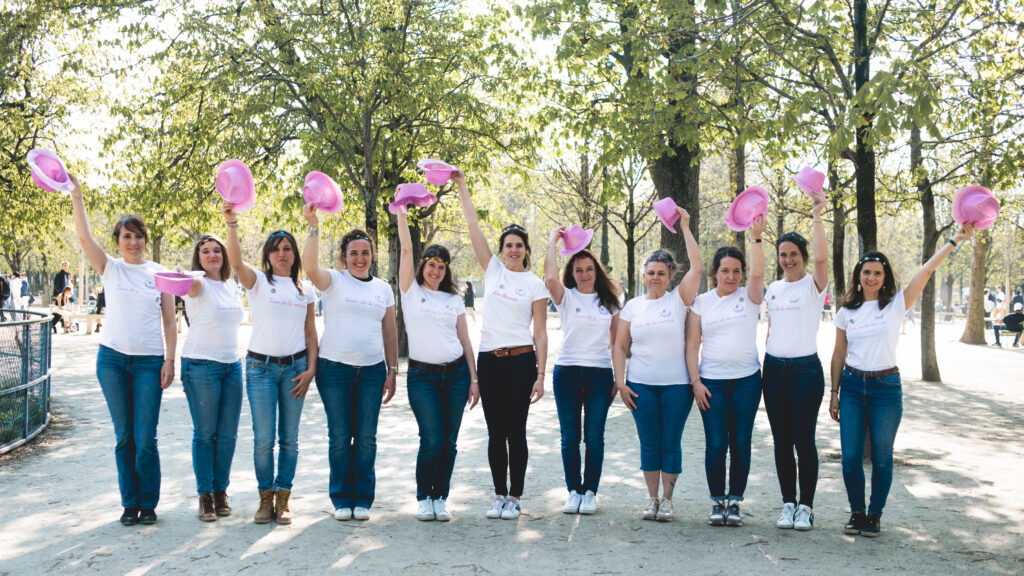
24	376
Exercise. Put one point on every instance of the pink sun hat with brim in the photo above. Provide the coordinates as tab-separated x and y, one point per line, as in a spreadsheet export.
411	193
175	283
435	171
810	181
975	205
322	190
751	204
48	171
574	239
235	184
666	211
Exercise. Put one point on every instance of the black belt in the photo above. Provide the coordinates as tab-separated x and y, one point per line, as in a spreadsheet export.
282	360
876	373
439	368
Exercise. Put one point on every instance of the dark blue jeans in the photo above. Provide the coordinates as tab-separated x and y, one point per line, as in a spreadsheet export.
660	417
728	427
274	410
793	389
214	392
582	397
131	386
352	396
876	403
438	402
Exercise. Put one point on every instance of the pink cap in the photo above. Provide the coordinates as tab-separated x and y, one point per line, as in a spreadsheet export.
48	171
574	239
235	184
975	205
666	211
810	181
748	206
411	193
175	283
435	171
322	190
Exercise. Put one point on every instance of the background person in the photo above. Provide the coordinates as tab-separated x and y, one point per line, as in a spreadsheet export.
1011	323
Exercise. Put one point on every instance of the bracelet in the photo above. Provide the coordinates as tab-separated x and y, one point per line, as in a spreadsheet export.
171	360
313	232
232	224
818	220
835	390
757	240
392	368
951	241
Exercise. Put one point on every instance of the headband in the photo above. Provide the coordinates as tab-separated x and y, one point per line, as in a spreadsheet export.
435	259
513	228
872	259
660	258
358	236
792	237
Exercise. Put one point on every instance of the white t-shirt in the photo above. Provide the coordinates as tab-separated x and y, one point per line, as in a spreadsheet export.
353	315
728	327
430	317
586	325
871	334
657	329
132	323
278	315
15	291
509	306
795	312
214	316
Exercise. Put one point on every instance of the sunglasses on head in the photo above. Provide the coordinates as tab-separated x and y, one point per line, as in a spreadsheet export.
793	236
360	236
280	233
513	228
872	259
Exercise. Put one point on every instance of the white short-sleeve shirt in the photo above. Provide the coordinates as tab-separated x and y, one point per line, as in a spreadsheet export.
278	315
657	330
728	326
214	316
794	309
872	334
132	324
586	325
508	306
430	322
353	315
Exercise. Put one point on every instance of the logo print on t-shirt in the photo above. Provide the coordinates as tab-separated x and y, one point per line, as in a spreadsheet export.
501	286
578	310
299	296
880	315
666	312
851	320
422	300
602	310
738	307
150	284
273	290
520	292
792	299
379	298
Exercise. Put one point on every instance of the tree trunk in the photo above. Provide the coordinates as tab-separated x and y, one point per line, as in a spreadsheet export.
864	155
157	245
838	234
780	225
741	183
631	245
394	252
974	332
929	360
678	177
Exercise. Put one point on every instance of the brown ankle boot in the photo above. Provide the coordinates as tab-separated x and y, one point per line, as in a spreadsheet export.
265	513
220	503
284	513
206	509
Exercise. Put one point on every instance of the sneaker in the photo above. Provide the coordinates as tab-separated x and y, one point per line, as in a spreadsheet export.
855	524
717	515
496	506
572	503
804	519
786	517
589	503
361	513
426	510
130	517
732	514
511	510
148	516
665	510
441	513
872	526
651	509
343	513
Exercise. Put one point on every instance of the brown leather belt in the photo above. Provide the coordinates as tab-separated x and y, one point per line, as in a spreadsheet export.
513	351
439	368
876	373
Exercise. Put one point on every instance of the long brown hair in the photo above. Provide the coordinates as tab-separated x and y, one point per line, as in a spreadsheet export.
608	290
225	267
855	293
273	241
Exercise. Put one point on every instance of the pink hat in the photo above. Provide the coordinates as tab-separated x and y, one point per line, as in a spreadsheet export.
235	184
175	283
810	181
415	194
436	172
747	207
48	171
666	210
322	190
975	205
574	239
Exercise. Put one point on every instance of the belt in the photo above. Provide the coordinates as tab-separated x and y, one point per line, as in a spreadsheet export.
283	360
513	351
439	368
876	373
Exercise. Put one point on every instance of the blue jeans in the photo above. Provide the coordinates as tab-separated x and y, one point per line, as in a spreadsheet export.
352	396
582	397
728	427
214	392
660	416
793	389
268	387
876	403
438	401
131	386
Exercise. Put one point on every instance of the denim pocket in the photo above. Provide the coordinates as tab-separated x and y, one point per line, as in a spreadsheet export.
891	380
256	369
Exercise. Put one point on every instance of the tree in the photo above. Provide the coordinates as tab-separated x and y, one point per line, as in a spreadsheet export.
631	212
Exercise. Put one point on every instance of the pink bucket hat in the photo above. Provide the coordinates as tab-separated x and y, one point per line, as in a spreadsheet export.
48	171
666	211
748	206
435	171
415	194
236	185
574	239
322	190
975	205
175	283
810	181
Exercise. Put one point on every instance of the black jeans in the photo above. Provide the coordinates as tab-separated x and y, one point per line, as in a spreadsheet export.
505	387
793	389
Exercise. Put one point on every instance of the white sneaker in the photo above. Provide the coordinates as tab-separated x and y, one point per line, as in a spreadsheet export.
342	513
665	510
572	503
511	510
804	519
441	513
426	510
651	509
589	503
361	513
786	517
496	505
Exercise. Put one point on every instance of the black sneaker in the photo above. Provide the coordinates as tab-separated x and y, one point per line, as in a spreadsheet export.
855	524
872	526
732	515
130	517
147	516
717	516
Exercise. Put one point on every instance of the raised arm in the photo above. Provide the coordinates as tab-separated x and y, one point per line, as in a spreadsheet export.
476	236
320	277
551	279
838	361
406	267
691	281
917	283
246	274
820	245
755	283
93	251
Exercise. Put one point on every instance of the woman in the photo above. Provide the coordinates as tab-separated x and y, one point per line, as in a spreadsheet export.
359	321
512	358
793	381
722	326
134	365
866	390
469	299
588	304
652	328
63	310
280	362
442	371
211	373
